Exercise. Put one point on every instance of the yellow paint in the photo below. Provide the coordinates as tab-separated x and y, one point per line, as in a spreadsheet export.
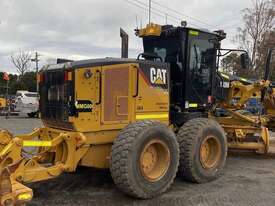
193	105
37	143
97	156
87	89
159	81
243	79
152	116
154	160
150	30
225	76
194	33
3	102
24	196
70	76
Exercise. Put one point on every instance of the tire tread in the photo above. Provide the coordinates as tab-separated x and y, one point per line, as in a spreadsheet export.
121	150
187	139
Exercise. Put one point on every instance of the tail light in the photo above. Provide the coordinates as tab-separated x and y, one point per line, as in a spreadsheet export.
210	99
67	76
40	77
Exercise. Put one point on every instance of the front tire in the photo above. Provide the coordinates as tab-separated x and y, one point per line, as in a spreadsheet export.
144	159
203	150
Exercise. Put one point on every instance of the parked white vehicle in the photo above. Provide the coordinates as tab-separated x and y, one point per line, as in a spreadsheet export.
27	103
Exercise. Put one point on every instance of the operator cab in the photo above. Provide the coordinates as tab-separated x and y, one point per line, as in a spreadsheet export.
192	55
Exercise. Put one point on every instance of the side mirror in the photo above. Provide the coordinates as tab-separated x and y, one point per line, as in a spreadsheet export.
245	61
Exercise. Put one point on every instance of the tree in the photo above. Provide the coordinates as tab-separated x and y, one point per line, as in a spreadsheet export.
21	61
258	21
231	64
268	43
27	82
3	84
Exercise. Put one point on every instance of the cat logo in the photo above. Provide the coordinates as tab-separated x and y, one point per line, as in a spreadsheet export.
158	76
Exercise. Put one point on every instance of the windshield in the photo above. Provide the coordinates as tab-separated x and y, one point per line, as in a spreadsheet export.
167	48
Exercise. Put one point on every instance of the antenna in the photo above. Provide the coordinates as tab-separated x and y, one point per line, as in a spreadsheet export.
166	18
150	5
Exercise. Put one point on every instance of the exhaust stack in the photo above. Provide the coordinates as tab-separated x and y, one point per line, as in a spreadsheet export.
124	43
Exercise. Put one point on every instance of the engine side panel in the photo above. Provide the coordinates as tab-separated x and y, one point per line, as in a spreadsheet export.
109	97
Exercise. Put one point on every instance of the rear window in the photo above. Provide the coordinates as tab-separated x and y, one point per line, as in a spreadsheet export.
31	95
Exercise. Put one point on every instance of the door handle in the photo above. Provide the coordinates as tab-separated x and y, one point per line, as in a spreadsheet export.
137	82
99	77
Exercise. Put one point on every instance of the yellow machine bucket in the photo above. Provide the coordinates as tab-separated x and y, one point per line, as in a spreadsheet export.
41	155
11	191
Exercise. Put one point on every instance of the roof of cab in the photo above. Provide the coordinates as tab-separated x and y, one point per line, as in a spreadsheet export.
158	30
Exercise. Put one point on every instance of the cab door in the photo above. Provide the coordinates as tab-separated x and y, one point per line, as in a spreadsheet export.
201	65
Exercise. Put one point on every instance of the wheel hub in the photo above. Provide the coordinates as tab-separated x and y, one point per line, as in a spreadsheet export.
154	160
210	152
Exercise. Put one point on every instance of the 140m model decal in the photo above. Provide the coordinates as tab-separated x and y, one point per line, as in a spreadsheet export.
83	105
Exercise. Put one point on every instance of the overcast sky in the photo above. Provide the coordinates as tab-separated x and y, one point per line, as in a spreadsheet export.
83	29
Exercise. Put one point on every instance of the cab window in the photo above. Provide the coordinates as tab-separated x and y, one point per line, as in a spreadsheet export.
201	63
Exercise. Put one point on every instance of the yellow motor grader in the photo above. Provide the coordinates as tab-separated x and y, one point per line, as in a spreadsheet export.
143	118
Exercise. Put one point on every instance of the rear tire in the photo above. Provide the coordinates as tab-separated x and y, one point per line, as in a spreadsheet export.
203	150
144	159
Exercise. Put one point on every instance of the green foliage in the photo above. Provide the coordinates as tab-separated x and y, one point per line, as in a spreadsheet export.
25	82
257	34
232	64
29	80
